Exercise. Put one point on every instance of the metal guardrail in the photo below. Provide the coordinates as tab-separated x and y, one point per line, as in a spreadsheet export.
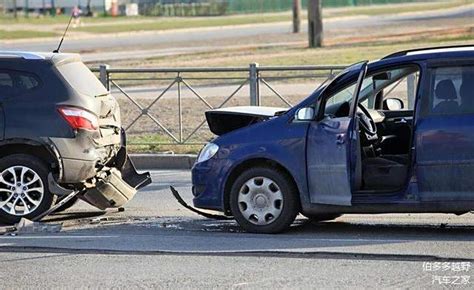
254	76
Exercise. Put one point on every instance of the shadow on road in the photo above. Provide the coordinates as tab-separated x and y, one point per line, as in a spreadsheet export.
303	227
69	216
340	239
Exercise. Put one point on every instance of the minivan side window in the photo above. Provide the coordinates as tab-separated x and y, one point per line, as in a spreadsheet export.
16	83
404	89
399	83
452	90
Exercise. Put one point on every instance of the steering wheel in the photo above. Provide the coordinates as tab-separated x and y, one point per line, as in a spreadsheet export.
367	124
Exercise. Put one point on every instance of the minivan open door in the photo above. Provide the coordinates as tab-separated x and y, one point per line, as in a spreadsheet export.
332	153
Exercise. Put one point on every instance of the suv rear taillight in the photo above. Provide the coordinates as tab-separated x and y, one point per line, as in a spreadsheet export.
79	118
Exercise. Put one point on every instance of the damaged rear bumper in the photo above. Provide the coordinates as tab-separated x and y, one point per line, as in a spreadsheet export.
102	181
114	188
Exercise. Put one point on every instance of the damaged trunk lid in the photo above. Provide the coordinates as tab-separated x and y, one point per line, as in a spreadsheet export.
95	98
225	120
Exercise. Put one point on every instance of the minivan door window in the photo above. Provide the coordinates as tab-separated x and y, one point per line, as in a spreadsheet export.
404	90
452	91
445	135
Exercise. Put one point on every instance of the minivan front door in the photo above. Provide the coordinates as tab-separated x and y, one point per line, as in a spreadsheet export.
332	145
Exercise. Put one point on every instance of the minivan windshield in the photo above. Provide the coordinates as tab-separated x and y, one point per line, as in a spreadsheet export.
322	87
82	79
348	92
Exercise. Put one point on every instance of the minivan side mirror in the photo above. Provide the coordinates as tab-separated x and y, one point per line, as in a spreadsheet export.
393	104
304	114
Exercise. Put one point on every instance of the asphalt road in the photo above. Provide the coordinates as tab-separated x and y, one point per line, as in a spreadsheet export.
157	243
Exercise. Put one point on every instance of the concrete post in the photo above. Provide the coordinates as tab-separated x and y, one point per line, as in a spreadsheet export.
253	83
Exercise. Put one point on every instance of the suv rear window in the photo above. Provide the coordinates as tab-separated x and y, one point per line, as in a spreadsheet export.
82	79
16	83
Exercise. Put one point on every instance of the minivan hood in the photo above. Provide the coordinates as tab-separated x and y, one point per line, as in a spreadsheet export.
225	120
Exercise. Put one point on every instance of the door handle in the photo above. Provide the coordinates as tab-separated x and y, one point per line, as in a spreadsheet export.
401	121
340	139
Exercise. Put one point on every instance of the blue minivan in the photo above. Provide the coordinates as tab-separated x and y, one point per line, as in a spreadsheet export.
391	136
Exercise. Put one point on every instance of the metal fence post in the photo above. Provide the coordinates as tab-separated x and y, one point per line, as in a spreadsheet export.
253	83
104	75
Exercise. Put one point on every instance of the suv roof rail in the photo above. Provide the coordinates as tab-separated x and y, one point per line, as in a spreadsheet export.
405	52
20	54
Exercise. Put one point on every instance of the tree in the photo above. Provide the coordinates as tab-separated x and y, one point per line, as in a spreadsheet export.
315	23
296	16
15	7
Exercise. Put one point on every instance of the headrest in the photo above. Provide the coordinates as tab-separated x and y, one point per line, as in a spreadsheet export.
445	90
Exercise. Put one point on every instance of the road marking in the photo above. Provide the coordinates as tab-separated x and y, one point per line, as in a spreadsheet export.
55	237
174	172
200	237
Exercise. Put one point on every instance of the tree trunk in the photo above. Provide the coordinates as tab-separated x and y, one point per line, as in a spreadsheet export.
315	23
296	16
15	7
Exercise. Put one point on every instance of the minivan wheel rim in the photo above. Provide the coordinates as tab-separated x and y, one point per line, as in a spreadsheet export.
260	200
21	190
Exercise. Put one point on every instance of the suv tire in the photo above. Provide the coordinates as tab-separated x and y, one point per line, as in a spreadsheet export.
264	200
24	191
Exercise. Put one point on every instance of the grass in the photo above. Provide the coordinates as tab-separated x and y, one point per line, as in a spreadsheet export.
331	54
402	8
19	34
143	23
63	19
180	23
148	144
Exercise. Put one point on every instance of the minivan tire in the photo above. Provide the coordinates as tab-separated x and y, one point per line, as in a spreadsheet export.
273	200
35	169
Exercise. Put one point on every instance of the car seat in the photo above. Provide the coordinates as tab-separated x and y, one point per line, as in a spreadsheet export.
383	174
446	92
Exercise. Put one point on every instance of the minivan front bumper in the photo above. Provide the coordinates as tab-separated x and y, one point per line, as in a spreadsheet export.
208	182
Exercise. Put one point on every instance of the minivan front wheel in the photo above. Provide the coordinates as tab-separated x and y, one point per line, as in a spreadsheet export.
264	200
23	188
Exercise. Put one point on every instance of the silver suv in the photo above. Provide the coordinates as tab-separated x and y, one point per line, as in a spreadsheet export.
60	136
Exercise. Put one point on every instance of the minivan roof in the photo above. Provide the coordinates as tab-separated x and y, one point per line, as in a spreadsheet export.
446	51
56	58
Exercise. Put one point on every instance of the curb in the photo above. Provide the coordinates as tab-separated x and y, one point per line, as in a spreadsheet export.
163	161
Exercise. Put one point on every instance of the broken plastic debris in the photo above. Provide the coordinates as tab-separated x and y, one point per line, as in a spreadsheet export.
6	229
25	226
98	220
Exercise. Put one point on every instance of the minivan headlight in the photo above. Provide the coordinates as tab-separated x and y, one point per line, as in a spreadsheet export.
207	152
